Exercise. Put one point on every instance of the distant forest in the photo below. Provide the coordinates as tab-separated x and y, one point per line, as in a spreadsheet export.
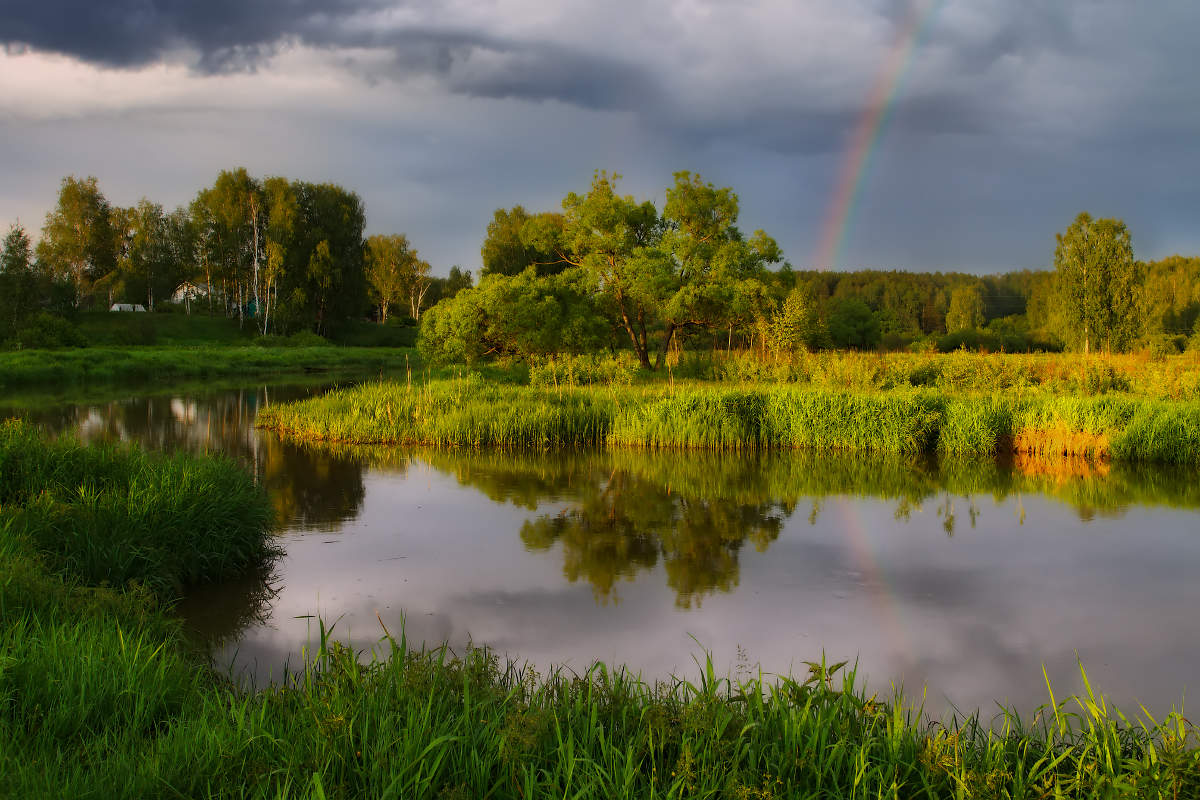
603	272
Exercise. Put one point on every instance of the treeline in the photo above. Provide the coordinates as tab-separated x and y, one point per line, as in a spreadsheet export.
604	272
610	272
282	255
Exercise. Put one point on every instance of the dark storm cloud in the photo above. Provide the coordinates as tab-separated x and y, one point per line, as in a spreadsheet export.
131	33
229	35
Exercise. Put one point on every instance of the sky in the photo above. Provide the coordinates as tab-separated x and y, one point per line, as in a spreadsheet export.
923	135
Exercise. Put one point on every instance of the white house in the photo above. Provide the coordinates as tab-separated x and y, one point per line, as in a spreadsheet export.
188	291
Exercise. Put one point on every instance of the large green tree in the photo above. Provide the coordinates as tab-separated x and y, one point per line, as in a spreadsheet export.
78	241
509	249
614	237
709	263
1099	282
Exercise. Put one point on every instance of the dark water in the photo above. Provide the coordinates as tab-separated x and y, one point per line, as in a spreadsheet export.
966	577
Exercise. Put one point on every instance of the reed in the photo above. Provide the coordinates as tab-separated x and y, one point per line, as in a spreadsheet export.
474	412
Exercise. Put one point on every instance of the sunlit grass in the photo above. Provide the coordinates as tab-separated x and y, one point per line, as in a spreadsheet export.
474	412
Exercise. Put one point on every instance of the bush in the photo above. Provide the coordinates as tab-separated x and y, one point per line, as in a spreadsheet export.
1161	345
47	331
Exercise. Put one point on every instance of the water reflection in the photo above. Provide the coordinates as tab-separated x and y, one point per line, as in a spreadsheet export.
309	487
965	575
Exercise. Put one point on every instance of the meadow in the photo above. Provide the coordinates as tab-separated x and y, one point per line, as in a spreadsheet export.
960	404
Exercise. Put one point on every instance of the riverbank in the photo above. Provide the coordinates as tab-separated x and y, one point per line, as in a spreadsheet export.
97	365
473	412
100	697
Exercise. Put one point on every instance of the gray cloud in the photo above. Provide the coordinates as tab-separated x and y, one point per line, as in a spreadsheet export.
131	33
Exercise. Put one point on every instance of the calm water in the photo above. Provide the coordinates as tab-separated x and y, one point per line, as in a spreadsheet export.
966	577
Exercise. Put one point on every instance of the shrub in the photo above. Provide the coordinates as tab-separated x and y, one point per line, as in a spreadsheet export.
48	331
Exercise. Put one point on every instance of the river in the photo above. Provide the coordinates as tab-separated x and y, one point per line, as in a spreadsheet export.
964	577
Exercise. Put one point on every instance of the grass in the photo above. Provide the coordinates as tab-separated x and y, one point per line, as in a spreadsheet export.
1163	378
92	365
475	412
122	329
100	698
111	514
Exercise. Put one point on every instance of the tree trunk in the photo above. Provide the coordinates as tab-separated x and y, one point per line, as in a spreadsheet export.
638	347
666	345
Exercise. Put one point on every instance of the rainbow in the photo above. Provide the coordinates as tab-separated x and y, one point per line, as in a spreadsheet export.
867	132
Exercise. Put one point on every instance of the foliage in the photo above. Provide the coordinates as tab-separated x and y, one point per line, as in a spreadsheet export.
513	244
78	240
852	325
795	326
19	287
522	315
966	309
48	331
1099	282
394	273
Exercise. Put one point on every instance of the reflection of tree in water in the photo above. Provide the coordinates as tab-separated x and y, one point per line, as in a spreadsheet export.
310	487
624	520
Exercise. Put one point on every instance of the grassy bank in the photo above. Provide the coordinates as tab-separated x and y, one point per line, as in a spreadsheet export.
99	697
477	413
99	365
1165	378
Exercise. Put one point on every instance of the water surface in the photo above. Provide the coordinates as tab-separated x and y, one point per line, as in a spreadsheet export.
966	577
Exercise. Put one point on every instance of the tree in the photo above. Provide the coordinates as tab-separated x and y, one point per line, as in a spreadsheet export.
78	239
1099	281
320	291
966	309
613	237
144	257
18	285
709	262
852	324
389	264
16	257
446	288
282	211
794	326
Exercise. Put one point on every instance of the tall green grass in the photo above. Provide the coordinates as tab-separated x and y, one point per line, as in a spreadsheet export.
476	413
431	724
114	514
